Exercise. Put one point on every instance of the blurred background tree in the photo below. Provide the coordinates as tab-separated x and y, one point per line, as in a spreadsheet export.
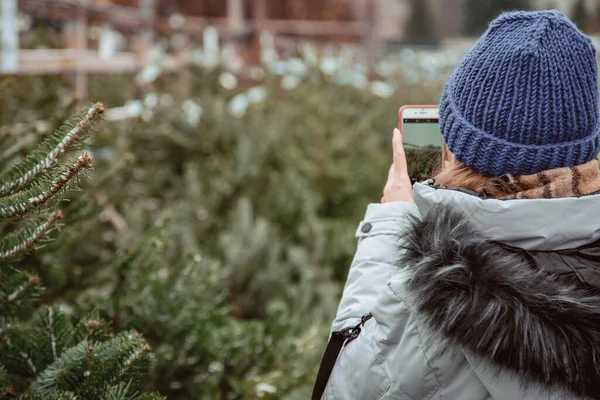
478	14
580	15
421	24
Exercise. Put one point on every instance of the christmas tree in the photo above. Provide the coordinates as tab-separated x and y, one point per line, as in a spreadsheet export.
44	354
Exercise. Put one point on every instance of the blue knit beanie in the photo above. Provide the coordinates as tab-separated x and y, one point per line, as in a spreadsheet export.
524	99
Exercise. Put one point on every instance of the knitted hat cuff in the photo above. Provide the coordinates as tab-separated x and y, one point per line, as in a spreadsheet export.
492	156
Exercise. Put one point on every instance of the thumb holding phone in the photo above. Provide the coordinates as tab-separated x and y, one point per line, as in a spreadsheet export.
398	186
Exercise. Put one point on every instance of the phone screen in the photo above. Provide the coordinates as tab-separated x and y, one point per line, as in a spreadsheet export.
423	132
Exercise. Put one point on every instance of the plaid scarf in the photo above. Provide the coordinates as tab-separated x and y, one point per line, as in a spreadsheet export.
553	184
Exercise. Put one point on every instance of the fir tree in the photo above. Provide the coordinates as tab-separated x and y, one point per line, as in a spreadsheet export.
224	241
420	24
247	235
43	354
479	13
580	16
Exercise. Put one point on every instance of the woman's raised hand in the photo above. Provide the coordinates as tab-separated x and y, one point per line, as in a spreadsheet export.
398	186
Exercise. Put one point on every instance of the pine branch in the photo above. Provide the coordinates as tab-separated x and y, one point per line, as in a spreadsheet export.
84	162
66	372
17	242
52	332
151	396
4	382
90	368
19	289
122	391
56	395
121	359
17	352
92	328
127	348
22	202
133	358
47	154
6	324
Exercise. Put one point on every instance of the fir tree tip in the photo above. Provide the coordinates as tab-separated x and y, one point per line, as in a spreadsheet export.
99	108
92	324
85	161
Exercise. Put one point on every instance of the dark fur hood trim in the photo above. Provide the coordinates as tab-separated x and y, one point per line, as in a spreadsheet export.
493	303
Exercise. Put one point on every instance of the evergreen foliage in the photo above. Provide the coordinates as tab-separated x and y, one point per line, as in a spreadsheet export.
224	239
43	355
479	13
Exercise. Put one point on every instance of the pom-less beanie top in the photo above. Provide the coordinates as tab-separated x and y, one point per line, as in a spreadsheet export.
524	99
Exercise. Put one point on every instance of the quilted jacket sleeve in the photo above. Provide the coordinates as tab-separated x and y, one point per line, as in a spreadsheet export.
374	262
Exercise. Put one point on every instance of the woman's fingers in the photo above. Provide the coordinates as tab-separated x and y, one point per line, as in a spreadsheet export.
398	186
400	165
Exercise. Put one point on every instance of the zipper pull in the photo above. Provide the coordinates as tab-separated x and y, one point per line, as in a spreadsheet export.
365	318
352	333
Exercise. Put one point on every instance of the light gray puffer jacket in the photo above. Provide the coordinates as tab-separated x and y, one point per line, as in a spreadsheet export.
473	299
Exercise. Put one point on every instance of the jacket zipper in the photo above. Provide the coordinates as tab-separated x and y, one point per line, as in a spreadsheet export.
351	333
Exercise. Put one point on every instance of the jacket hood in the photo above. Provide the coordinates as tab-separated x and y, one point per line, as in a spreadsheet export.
532	224
479	280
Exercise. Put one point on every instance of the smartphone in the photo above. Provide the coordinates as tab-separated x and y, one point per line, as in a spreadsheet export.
420	127
422	139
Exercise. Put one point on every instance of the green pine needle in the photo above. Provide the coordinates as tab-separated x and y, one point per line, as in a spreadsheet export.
151	396
67	372
54	332
49	151
17	352
56	395
17	291
123	358
122	391
41	193
6	324
92	328
4	382
16	242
